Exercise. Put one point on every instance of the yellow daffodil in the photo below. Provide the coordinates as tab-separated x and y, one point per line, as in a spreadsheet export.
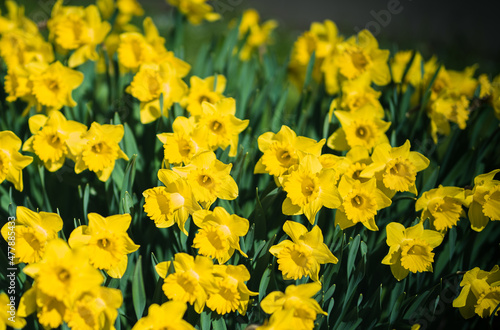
495	96
192	280
12	161
50	311
360	203
219	233
442	206
232	293
79	29
107	241
410	249
352	165
219	126
33	231
168	315
396	168
400	62
303	255
258	35
283	320
9	316
53	84
185	142
171	204
480	293
283	149
54	138
297	298
63	273
360	128
195	10
484	200
134	50
100	150
309	187
361	55
96	308
209	178
209	89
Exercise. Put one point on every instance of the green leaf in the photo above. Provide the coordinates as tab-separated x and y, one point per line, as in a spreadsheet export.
351	257
264	282
138	291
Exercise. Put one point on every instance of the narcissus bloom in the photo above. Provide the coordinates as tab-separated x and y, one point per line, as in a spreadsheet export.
219	126
309	187
6	319
195	10
192	280
480	293
219	233
354	162
171	204
50	311
299	300
209	178
100	150
400	62
33	231
107	242
168	315
209	89
54	138
484	201
410	249
360	203
283	149
282	320
11	160
232	293
258	35
360	128
303	255
442	206
396	167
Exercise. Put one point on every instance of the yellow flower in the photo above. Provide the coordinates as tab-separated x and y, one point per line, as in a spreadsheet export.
8	314
356	94
283	320
360	203
209	89
299	300
50	311
410	249
219	126
192	280
484	201
258	35
95	309
63	273
396	168
495	96
195	10
168	315
100	150
11	160
107	242
209	178
480	293
171	204
352	165
400	62
360	128
282	151
219	233
33	231
309	187
54	138
79	29
447	109
303	255
442	206
185	142
360	55
134	50
53	84
232	293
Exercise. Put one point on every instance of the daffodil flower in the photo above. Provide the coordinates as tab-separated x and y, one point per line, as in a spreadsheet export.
209	89
442	206
484	201
169	314
12	161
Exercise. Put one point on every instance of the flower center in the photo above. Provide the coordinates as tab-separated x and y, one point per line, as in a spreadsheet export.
400	174
216	126
63	275
103	243
359	60
417	256
49	144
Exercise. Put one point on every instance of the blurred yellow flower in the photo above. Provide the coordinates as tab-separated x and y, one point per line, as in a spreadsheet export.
107	242
483	201
410	249
195	10
303	255
9	317
209	89
33	231
100	150
399	64
12	161
219	233
258	35
480	293
168	315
